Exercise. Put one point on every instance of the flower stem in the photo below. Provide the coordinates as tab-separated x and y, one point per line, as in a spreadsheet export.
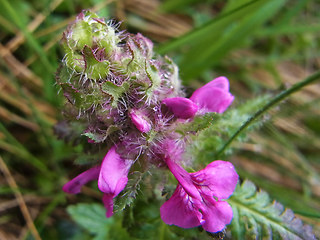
296	87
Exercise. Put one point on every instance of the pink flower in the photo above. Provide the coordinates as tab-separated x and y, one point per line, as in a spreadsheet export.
198	197
111	175
212	97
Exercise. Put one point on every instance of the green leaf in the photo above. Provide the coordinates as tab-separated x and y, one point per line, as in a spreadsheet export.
92	218
218	45
255	216
174	5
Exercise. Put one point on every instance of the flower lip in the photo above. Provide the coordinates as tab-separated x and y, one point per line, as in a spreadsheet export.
214	96
74	185
217	179
181	107
177	212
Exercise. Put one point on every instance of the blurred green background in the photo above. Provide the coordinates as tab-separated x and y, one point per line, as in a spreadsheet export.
262	46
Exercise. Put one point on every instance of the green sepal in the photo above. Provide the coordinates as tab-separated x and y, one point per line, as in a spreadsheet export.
199	123
72	59
82	101
154	77
115	91
94	68
74	96
82	31
102	136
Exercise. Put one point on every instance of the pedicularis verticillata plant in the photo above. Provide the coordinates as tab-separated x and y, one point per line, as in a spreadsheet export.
129	104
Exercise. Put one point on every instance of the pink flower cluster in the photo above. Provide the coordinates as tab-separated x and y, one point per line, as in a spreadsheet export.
198	198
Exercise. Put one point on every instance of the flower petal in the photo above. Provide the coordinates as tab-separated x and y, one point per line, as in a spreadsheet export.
214	96
184	178
107	200
180	211
113	177
217	215
74	186
114	171
218	179
141	123
220	82
181	107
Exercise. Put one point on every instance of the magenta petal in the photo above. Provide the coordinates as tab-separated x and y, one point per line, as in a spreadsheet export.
139	121
107	200
216	215
214	96
184	178
181	107
180	211
220	82
74	186
218	179
113	174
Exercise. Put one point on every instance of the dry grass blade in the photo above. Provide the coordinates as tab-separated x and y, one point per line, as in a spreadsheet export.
162	25
19	69
265	171
46	48
4	235
5	205
11	96
24	209
7	24
54	27
14	43
5	114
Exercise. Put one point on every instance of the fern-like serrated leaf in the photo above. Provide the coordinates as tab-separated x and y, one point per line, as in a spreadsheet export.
255	216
